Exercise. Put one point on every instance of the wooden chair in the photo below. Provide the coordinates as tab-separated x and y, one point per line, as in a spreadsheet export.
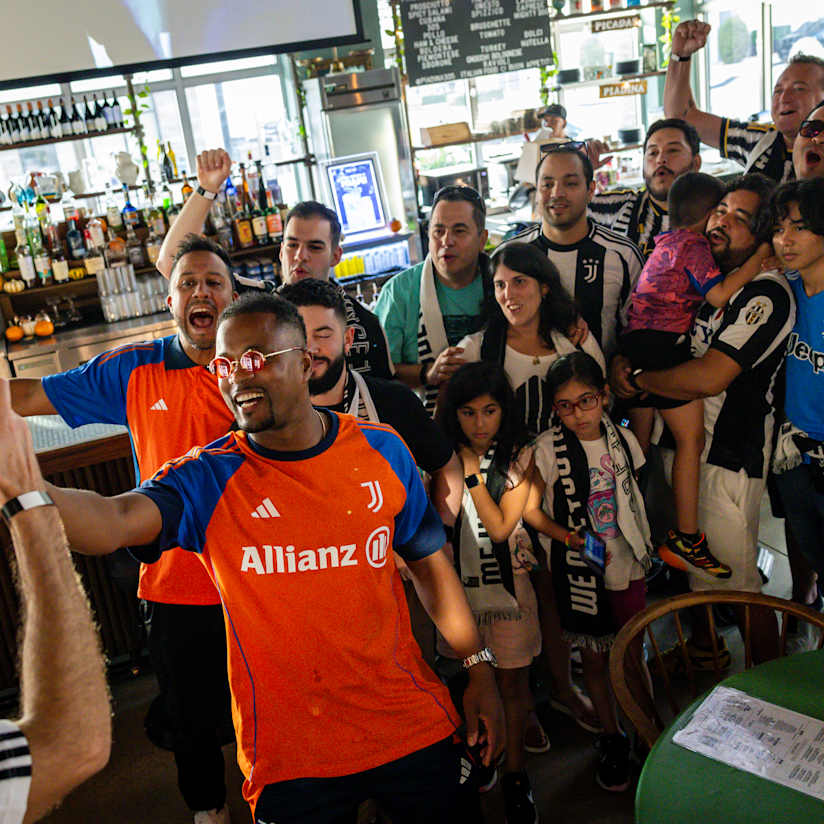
648	723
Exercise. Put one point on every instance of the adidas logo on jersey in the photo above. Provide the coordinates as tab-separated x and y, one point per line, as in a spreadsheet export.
159	406
266	510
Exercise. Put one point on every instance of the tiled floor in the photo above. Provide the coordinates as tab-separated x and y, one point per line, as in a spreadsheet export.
138	785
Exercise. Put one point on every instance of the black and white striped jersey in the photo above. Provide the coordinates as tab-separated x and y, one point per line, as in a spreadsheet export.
15	773
632	213
752	329
759	146
600	272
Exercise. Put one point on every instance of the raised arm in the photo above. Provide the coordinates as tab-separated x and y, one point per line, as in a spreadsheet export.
688	38
721	293
64	697
213	167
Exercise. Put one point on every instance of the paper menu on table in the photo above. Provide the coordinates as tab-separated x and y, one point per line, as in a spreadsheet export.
762	738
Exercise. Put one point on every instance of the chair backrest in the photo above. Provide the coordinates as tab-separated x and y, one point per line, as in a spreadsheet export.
642	709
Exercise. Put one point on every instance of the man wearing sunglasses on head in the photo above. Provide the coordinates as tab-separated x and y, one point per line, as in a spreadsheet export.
294	517
427	309
163	393
598	267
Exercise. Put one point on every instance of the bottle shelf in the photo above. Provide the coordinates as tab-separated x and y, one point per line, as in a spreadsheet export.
28	144
591	15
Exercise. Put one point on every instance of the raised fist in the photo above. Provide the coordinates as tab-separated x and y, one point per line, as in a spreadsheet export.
213	167
689	36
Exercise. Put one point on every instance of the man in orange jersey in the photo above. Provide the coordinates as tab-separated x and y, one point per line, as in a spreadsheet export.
163	393
293	517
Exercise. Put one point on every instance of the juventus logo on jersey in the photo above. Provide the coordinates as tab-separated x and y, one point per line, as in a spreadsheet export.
591	269
376	501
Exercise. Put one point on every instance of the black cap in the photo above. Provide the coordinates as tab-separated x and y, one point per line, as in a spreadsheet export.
553	109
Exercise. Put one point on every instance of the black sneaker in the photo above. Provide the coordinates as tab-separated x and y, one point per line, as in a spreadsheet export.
682	553
613	762
518	800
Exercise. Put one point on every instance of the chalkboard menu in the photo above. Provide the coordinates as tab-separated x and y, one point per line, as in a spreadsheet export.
452	39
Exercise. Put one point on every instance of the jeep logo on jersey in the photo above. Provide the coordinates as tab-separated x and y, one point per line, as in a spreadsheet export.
377	547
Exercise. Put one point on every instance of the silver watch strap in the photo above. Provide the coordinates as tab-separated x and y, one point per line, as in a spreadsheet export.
204	193
28	500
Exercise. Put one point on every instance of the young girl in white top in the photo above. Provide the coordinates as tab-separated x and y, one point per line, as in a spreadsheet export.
585	482
480	419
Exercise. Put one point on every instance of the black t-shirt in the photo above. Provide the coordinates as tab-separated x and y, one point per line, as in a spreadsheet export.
369	354
397	405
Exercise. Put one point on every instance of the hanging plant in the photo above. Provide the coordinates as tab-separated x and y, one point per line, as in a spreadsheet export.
546	73
396	33
669	21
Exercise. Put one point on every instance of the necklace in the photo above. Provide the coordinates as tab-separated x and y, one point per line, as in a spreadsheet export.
536	359
322	424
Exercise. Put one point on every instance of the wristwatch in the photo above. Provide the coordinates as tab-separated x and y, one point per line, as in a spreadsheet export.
678	59
28	500
472	481
633	379
482	656
203	193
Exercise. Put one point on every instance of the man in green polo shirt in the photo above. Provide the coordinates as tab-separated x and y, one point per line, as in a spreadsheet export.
427	309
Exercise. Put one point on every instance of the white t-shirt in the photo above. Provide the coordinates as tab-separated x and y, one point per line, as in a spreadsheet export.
15	769
622	566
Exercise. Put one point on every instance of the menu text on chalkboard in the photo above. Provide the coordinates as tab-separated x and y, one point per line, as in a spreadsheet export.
453	39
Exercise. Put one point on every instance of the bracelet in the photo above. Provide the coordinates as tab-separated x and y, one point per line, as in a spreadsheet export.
633	379
28	500
566	539
678	59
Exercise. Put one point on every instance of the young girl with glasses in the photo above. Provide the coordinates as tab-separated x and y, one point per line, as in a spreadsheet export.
585	488
480	418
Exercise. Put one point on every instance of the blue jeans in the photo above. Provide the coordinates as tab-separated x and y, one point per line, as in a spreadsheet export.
804	508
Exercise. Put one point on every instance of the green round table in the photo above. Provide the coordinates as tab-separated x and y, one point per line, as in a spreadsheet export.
678	786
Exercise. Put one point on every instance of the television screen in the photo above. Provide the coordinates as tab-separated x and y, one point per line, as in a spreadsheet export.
96	36
357	191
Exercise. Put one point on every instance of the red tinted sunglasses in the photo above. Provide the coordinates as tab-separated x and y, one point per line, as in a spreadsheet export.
250	361
811	128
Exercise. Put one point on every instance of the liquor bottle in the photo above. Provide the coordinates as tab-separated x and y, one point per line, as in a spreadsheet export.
34	124
113	217
74	240
166	172
274	224
60	266
166	198
65	120
259	229
115	250
130	215
172	158
37	249
187	189
94	254
78	123
23	124
4	256
134	249
41	208
97	232
108	115
243	221
230	199
55	128
25	262
43	121
155	221
100	124
5	134
117	113
88	115
153	244
68	205
12	126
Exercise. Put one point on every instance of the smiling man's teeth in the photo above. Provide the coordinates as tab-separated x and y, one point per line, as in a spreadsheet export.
245	397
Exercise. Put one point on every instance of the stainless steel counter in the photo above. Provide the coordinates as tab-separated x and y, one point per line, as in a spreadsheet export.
65	350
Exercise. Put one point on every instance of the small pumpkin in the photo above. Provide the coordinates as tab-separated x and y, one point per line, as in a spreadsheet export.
43	328
14	333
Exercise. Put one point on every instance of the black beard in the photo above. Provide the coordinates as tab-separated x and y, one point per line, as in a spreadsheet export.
321	385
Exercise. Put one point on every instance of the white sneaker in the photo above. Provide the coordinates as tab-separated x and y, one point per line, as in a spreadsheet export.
220	816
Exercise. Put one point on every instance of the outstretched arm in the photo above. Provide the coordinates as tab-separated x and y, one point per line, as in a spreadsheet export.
64	697
29	398
213	167
443	597
688	38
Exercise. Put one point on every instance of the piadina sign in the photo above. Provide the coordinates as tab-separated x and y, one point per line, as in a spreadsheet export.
633	21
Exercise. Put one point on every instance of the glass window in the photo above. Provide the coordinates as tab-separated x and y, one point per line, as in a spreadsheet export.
30	93
791	36
433	105
200	69
734	59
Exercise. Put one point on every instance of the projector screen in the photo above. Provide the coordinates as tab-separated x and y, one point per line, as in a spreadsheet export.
91	37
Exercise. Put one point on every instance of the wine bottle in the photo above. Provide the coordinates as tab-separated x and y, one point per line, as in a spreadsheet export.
34	124
13	126
74	239
108	115
99	119
55	127
65	120
172	158
5	136
89	115
78	123
23	125
117	112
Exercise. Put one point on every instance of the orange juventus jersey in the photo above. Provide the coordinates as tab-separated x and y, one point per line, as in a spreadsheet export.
326	676
169	404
